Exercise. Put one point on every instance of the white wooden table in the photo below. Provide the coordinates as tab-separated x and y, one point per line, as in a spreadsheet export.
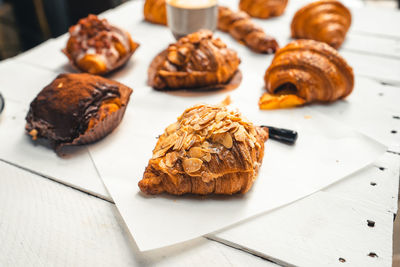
47	223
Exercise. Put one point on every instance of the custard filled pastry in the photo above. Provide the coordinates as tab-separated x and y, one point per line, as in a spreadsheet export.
263	8
209	150
155	11
77	109
196	61
96	47
303	72
242	28
326	21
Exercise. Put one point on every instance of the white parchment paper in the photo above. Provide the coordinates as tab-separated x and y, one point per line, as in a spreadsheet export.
326	152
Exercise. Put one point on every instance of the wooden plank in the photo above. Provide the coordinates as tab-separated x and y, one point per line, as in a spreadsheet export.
43	223
318	231
332	223
377	21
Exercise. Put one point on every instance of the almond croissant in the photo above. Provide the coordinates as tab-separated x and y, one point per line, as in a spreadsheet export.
240	26
155	11
306	71
196	61
326	21
263	8
209	150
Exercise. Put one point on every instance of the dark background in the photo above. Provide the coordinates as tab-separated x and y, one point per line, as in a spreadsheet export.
26	23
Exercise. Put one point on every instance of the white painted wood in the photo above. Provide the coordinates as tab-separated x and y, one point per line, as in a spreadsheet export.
385	174
331	223
43	223
318	231
376	21
381	68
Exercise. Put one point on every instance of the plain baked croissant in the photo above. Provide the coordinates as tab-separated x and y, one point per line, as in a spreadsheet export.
306	71
196	61
209	150
326	21
96	47
155	11
263	8
242	28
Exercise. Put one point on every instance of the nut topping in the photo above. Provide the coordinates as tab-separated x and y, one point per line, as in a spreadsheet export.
192	165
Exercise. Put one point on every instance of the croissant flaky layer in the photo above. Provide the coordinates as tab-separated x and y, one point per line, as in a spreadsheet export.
97	47
240	26
209	150
310	70
326	21
263	8
155	11
195	61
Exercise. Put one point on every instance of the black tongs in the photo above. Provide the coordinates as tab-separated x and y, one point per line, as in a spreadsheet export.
282	135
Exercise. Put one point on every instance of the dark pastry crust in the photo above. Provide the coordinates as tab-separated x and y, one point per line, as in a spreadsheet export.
195	61
240	26
62	110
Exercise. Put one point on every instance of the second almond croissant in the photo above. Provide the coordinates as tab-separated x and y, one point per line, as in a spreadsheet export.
196	61
209	150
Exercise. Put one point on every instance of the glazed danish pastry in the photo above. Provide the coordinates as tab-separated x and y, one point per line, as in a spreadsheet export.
77	109
97	47
306	71
155	11
326	21
263	8
242	28
209	150
196	61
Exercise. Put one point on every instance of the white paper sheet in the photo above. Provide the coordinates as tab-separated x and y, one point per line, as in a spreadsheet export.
326	151
76	169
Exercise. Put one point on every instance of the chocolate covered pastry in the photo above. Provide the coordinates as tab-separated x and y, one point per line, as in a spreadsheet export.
77	109
196	61
240	26
326	21
263	8
209	150
306	71
97	47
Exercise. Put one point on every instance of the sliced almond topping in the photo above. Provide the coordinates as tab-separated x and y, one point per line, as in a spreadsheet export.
220	116
196	152
224	139
207	157
171	158
241	134
192	165
171	128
